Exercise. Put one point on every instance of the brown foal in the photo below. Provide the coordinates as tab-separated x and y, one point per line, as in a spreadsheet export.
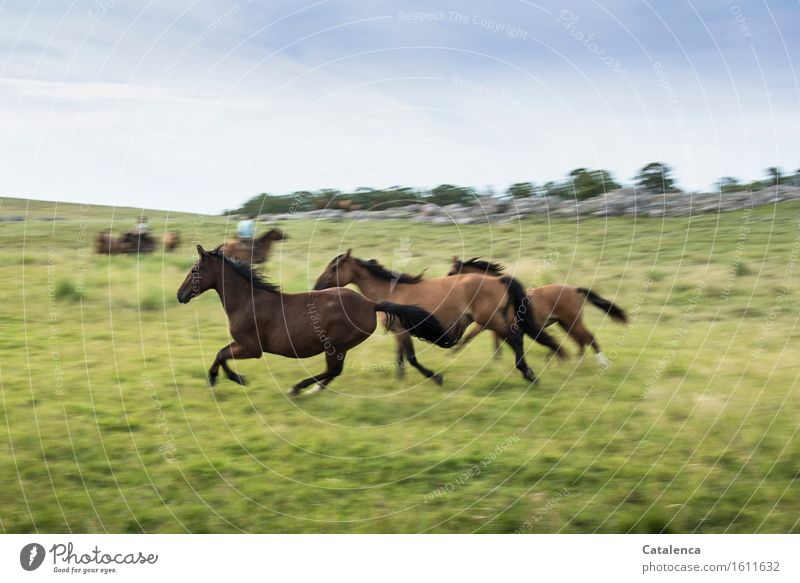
553	303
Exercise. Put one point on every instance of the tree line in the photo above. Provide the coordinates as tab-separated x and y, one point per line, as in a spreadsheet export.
579	184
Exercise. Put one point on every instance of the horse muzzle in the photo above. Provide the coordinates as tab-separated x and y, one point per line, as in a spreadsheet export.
184	297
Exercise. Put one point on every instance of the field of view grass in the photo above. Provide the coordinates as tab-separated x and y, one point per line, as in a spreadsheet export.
107	423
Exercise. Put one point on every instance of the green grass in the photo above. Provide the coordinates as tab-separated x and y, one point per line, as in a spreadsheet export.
107	423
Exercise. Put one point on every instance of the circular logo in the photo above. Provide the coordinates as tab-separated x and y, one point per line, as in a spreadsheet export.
31	556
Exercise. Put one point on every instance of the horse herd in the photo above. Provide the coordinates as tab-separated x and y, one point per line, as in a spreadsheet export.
130	242
331	319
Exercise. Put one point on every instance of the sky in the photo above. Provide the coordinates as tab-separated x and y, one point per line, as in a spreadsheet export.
200	105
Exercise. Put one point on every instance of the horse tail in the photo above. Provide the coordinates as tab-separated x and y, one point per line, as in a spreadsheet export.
609	308
418	322
523	316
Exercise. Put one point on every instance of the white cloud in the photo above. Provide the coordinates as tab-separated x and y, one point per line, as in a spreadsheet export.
200	106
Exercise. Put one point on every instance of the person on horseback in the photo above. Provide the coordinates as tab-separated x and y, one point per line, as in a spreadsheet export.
246	230
139	237
143	228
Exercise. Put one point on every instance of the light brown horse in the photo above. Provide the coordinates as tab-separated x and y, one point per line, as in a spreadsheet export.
263	319
172	239
553	303
499	304
255	251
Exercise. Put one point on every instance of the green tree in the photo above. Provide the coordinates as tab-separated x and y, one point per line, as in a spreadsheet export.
325	198
448	194
522	189
584	183
393	196
270	203
775	174
656	177
730	184
553	188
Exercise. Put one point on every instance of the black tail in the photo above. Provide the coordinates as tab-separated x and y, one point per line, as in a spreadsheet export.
609	308
418	322
523	312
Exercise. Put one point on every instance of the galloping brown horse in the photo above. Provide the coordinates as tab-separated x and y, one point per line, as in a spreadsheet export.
554	303
255	251
263	319
499	304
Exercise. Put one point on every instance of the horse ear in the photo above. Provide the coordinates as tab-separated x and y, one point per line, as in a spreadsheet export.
455	258
347	254
201	251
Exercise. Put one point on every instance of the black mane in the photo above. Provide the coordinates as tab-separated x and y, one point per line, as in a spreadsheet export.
381	272
478	263
245	271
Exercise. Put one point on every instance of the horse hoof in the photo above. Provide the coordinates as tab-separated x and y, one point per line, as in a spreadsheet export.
212	381
239	380
530	377
438	379
293	392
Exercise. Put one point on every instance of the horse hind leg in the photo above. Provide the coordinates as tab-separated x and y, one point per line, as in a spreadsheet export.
335	365
584	338
411	356
477	329
498	344
515	340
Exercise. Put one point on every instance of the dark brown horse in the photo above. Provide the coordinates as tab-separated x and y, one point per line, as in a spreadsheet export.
255	251
264	320
553	303
108	244
499	304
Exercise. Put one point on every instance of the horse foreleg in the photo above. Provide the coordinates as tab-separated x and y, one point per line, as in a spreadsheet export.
233	350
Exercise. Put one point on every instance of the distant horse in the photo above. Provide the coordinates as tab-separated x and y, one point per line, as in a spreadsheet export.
139	242
499	304
172	239
554	303
108	244
255	251
264	319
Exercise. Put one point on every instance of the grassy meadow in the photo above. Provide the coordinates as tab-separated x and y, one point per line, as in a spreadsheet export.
107	423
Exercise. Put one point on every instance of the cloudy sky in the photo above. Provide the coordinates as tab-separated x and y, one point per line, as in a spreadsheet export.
200	105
